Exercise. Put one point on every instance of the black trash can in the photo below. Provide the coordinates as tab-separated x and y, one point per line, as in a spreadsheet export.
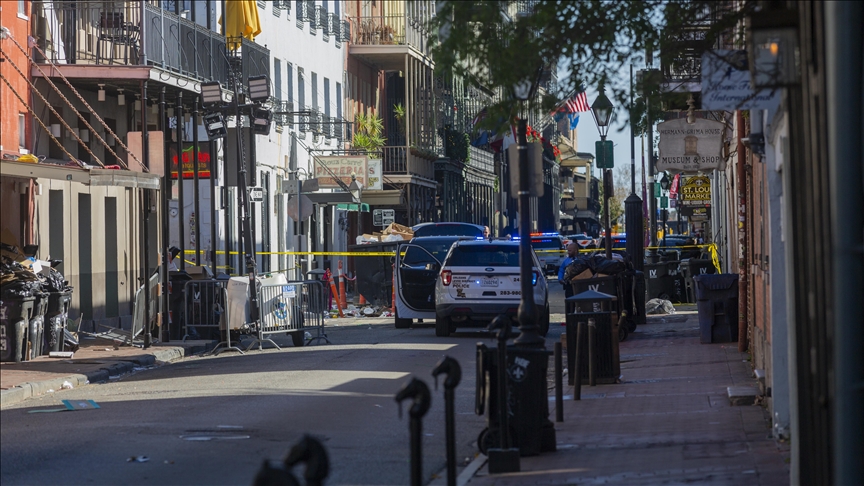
15	314
36	327
689	269
664	281
717	304
602	308
55	320
607	285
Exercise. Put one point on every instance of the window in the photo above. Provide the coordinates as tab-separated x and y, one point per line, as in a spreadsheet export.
290	89
327	97
22	132
277	79
301	88
22	8
338	99
314	91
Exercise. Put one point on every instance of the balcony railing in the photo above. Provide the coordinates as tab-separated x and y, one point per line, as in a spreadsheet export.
481	159
389	30
114	33
406	161
86	32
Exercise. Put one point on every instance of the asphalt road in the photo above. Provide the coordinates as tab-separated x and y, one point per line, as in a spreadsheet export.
215	420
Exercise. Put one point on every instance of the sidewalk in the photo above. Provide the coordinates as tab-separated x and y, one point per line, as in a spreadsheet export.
670	420
96	360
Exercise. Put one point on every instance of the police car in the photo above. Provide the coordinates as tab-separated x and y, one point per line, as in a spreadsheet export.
479	280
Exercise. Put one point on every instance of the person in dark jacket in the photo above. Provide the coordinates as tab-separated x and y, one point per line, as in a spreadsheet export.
572	253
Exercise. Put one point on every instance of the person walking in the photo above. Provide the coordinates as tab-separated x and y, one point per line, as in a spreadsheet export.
572	253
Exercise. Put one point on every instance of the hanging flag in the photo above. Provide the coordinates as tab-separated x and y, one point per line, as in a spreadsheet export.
480	116
574	120
578	103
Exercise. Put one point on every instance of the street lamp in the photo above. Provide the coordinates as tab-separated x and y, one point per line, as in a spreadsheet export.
602	112
665	183
355	188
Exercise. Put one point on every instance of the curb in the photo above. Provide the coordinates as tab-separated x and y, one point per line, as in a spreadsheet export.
32	389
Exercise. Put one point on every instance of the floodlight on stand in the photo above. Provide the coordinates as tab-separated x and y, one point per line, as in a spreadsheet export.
259	88
121	98
100	95
214	124
261	120
211	93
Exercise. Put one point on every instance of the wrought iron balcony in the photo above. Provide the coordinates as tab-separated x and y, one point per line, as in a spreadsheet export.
390	30
401	160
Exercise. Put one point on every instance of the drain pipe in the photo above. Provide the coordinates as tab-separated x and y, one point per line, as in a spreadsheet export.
741	190
844	80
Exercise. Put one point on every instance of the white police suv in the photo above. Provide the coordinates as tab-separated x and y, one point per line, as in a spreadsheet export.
479	280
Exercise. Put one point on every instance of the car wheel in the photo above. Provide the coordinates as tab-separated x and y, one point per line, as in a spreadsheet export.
544	321
402	323
442	326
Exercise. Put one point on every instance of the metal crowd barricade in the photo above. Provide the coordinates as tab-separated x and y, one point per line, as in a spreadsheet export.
203	306
293	308
134	336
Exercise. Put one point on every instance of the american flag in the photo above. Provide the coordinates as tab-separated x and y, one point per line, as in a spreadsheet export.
577	103
480	116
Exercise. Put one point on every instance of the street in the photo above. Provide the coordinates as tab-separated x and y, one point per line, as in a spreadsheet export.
214	420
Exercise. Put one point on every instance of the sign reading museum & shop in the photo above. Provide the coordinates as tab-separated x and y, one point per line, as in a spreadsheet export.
691	147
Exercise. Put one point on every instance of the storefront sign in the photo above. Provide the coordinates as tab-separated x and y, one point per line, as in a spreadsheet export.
695	192
726	83
695	213
375	178
188	159
328	168
686	147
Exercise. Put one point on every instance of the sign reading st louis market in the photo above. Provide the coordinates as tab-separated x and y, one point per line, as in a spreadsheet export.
696	191
327	169
686	147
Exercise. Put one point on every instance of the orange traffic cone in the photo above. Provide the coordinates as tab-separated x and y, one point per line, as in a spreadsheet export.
342	295
336	296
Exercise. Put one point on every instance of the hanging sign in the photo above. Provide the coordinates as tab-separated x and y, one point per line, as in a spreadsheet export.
691	147
327	169
726	83
375	179
695	192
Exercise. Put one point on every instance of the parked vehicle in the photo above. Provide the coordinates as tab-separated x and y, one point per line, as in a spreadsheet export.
584	241
417	265
549	248
480	280
448	229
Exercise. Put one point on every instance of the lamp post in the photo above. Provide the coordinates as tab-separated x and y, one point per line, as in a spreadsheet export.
665	183
633	222
602	112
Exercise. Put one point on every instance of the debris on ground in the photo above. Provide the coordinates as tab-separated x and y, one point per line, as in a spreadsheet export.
659	306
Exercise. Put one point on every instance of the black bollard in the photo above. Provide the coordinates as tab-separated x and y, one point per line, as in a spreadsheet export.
419	391
504	459
559	384
311	451
592	357
451	368
577	372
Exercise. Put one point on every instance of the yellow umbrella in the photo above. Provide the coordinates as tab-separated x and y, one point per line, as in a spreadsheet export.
242	21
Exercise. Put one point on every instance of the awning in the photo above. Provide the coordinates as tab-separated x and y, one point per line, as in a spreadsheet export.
388	197
92	177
